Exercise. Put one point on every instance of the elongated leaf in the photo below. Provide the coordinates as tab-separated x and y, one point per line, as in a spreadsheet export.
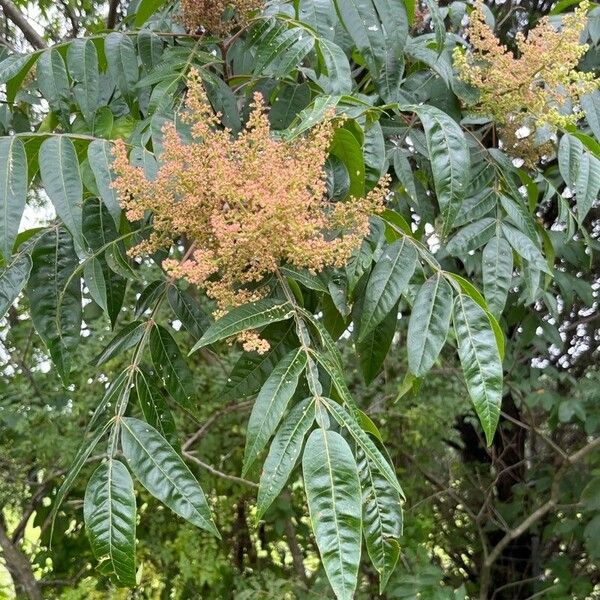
271	404
84	452
429	323
472	236
387	282
334	502
252	369
59	168
525	247
188	311
82	60
450	160
374	347
13	279
154	406
53	80
379	29
284	453
497	267
101	236
249	316
164	474
382	519
171	366
100	159
581	171
480	360
13	191
346	420
145	9
94	279
127	338
109	513
347	148
55	296
122	62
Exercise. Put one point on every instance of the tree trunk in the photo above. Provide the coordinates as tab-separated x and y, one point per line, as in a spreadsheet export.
19	567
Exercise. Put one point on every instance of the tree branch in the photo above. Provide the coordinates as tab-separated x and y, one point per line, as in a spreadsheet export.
207	467
111	20
533	518
17	17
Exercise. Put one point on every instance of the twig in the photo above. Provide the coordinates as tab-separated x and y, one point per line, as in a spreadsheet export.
216	472
214	417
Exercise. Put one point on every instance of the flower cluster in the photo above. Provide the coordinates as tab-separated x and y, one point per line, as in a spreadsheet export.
246	204
536	89
218	17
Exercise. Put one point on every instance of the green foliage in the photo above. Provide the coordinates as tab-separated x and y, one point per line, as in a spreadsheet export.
462	216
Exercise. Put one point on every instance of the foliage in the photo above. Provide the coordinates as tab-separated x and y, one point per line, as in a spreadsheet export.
498	414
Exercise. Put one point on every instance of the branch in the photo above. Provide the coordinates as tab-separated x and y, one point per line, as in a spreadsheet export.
15	15
216	472
201	432
111	20
534	517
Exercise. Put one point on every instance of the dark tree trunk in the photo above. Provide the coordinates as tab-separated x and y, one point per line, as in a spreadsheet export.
19	567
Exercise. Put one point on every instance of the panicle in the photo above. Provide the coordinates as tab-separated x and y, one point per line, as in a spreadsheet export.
247	204
218	17
537	89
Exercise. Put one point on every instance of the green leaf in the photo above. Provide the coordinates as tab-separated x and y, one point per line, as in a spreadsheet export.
249	316
145	9
59	168
94	279
346	420
525	248
150	49
382	519
271	404
125	339
480	360
82	60
387	282
581	171
379	29
154	406
188	311
171	367
122	62
284	453
100	159
83	454
591	105
109	513
13	191
429	323
334	502
55	296
374	347
347	148
472	236
53	80
497	267
252	369
12	281
450	159
101	236
337	78
164	474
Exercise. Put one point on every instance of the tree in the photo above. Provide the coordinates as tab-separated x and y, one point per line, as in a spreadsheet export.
413	207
